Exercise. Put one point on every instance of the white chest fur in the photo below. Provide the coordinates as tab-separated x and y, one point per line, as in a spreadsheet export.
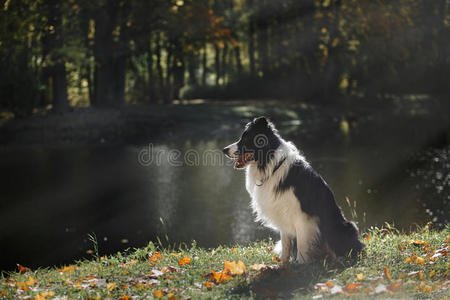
280	211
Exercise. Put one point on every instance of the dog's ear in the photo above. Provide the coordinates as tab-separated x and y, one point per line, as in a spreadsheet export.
261	121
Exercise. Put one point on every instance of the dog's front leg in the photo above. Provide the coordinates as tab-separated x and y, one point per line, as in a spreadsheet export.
286	247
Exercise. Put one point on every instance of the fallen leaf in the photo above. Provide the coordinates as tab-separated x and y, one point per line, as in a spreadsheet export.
208	285
44	295
420	261
219	277
235	268
184	261
125	297
111	286
394	286
360	277
31	281
277	259
352	287
158	294
386	273
257	267
155	258
367	237
67	269
22	269
329	284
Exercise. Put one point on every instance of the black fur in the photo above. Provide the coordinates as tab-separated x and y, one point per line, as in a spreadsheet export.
316	199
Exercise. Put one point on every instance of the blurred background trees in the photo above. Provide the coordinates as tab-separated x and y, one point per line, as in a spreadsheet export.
106	53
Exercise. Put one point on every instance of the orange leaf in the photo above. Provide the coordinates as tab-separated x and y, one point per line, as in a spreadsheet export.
22	269
352	287
219	277
155	258
394	286
125	297
367	237
235	268
329	284
386	273
184	261
158	294
276	259
420	261
208	285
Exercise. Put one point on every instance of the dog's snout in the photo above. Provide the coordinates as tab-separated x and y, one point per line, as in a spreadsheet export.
225	150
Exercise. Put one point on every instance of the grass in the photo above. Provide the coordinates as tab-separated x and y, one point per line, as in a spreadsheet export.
395	265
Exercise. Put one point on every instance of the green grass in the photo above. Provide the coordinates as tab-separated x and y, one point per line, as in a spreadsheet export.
133	275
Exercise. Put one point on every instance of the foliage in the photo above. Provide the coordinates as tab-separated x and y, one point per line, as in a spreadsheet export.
149	51
395	265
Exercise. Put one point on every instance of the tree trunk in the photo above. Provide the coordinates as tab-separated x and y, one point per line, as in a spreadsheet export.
110	55
237	53
263	40
103	53
159	66
217	64
251	39
168	91
151	73
58	69
224	65
192	66
205	67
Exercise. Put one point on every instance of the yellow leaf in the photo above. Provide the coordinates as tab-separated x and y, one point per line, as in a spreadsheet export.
31	281
111	286
67	269
257	267
360	277
235	268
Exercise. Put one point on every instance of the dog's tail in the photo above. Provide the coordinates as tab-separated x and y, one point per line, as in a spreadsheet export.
342	238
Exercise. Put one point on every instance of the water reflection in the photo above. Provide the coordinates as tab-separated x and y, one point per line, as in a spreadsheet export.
51	199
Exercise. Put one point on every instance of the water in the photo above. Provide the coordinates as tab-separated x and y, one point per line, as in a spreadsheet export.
186	190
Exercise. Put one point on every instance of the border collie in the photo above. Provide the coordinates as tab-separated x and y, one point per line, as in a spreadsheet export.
290	197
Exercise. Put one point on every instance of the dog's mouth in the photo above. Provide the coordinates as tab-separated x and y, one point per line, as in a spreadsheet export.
243	159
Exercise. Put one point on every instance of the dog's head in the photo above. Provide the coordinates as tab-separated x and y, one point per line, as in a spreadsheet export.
257	144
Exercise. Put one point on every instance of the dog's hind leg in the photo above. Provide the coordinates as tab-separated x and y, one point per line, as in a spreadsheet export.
306	234
286	246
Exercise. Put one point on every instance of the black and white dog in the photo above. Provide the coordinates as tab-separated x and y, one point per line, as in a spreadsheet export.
289	196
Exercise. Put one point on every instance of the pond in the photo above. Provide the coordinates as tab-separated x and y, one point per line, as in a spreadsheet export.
181	190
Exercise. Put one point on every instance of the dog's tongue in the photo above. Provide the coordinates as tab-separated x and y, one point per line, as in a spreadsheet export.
242	160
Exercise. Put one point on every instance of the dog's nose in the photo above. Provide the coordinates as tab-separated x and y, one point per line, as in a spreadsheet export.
225	150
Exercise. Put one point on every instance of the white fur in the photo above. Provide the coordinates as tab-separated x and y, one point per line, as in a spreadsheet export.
283	211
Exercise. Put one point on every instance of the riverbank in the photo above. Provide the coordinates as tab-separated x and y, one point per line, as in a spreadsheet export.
395	265
203	119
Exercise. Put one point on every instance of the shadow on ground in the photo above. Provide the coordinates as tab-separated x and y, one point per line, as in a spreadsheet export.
284	282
